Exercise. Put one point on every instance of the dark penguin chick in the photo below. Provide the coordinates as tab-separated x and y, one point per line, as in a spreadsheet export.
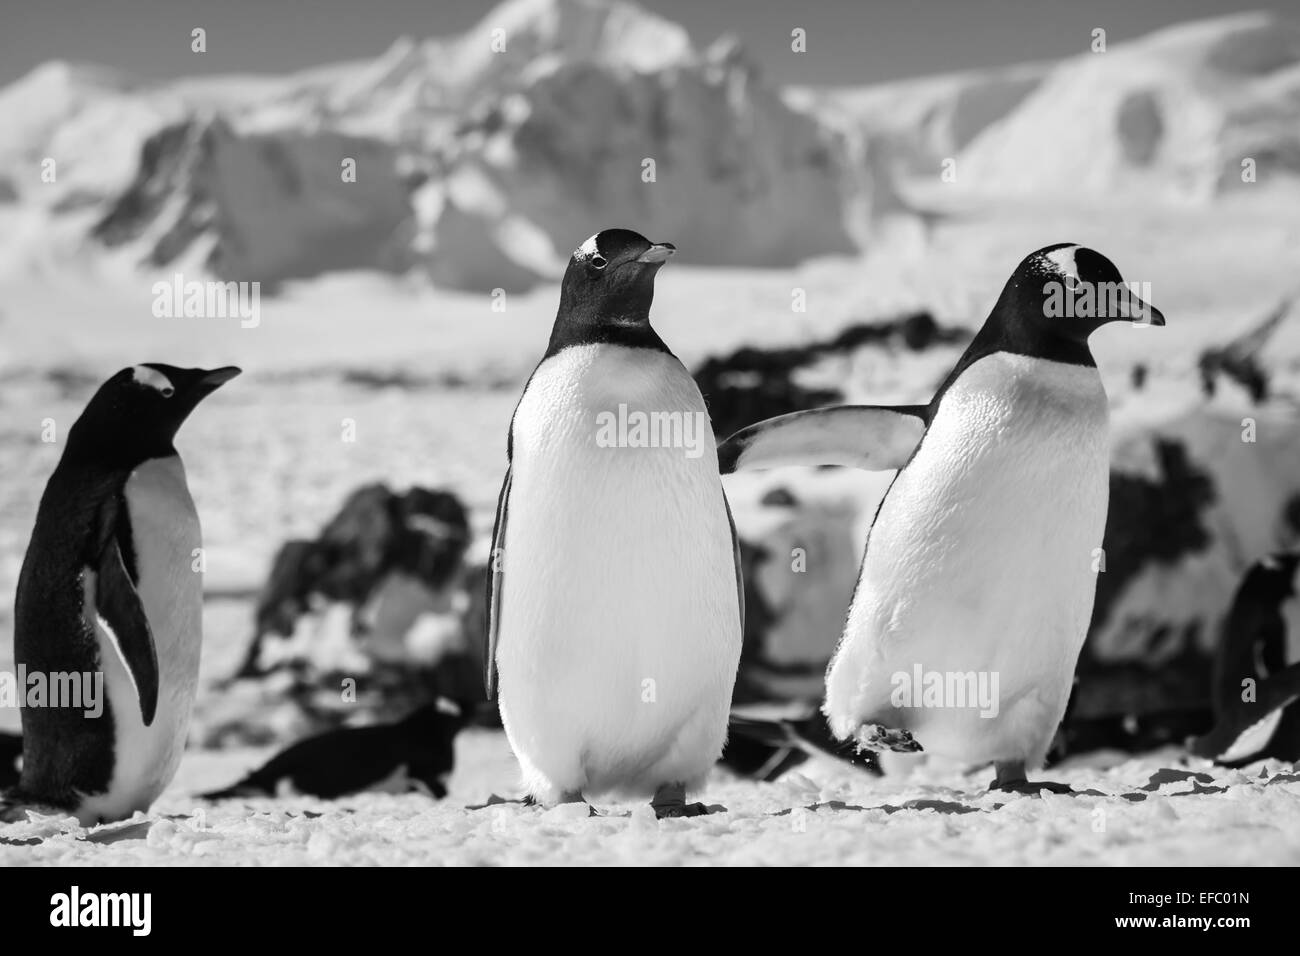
766	747
110	600
11	748
1255	689
417	752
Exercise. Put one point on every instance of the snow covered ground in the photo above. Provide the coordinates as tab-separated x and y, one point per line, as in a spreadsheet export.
823	815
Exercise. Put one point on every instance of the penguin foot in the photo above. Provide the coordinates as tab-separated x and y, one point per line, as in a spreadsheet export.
681	810
1030	787
575	796
1010	778
670	801
877	737
496	800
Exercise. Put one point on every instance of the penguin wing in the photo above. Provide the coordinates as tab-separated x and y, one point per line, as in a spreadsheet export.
494	579
119	607
735	548
872	437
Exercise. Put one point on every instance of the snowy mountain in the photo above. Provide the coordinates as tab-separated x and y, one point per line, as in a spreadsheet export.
481	159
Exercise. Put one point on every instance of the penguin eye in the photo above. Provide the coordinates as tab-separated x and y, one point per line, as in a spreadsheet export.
1072	282
167	391
599	261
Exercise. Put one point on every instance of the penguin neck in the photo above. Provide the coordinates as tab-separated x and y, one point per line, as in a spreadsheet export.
90	446
620	321
1006	330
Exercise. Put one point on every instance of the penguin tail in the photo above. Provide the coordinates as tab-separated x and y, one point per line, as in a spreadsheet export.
15	804
12	809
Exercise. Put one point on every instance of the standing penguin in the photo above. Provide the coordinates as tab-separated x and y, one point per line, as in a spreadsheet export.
110	587
979	569
614	604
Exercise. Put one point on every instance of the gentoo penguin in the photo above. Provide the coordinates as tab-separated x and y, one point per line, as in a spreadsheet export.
1255	688
978	576
112	586
615	603
413	753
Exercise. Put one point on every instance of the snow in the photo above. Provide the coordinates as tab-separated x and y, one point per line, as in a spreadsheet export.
822	814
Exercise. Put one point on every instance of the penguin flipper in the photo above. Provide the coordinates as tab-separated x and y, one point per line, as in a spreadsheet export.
118	606
740	574
494	579
872	437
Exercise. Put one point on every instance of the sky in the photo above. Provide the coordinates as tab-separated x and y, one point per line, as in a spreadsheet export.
850	42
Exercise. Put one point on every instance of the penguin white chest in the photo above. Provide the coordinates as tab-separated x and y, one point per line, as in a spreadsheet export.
165	537
977	587
620	622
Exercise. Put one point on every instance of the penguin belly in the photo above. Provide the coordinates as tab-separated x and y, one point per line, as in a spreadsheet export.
165	533
980	562
620	629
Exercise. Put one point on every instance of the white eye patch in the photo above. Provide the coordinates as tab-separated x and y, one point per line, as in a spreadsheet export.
152	378
1063	259
587	249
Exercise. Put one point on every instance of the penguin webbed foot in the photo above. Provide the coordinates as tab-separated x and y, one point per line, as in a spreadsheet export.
575	796
684	810
1010	778
877	737
496	800
670	801
1031	787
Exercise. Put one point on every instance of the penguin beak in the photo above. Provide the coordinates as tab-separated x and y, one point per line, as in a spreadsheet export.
210	381
1139	312
659	252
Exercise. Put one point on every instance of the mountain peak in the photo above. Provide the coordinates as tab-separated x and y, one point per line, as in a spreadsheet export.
609	31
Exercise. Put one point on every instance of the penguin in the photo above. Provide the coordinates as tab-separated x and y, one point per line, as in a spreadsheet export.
1256	673
11	748
112	587
979	562
415	753
615	602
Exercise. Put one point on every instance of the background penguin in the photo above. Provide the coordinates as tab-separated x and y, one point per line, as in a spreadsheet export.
1257	645
766	746
979	560
109	585
413	753
615	603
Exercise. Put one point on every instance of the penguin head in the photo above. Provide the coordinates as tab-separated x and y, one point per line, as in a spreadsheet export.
1273	578
1066	292
609	282
135	414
